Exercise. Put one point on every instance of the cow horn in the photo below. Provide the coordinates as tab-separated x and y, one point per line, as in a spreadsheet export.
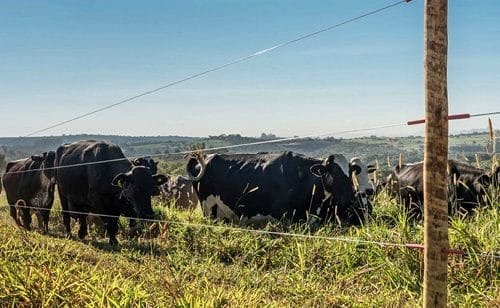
199	158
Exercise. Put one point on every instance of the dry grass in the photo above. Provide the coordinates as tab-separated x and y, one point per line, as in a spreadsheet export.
189	266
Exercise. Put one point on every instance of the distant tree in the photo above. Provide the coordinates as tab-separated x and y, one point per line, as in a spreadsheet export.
2	162
196	146
267	136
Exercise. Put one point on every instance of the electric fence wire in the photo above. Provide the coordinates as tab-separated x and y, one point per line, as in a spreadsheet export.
220	67
492	255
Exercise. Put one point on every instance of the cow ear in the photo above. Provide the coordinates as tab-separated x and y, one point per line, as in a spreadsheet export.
318	170
120	179
484	180
160	179
356	169
371	168
454	171
330	160
36	158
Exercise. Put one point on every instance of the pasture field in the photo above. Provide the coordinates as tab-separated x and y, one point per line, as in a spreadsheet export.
180	264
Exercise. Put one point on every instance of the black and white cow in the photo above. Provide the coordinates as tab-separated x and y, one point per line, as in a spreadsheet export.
467	186
364	185
85	184
250	187
30	182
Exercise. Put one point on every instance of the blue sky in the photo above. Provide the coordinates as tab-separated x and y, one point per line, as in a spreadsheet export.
60	59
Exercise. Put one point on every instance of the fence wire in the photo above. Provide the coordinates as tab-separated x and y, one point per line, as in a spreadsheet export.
413	246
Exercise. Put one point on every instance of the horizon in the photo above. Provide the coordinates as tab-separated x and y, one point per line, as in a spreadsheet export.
61	61
336	136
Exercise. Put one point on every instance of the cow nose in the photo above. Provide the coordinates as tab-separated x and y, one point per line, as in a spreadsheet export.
369	192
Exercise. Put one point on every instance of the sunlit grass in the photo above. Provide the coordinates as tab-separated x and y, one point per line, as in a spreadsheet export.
176	264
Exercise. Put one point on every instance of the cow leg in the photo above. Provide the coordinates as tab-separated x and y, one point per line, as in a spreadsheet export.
13	214
111	225
82	231
213	212
129	211
65	215
42	216
26	216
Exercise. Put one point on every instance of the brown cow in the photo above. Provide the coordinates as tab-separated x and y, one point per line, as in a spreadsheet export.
32	181
181	191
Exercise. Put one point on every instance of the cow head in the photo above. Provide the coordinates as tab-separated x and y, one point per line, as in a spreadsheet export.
45	163
469	188
196	166
361	170
137	186
152	165
148	162
171	188
335	174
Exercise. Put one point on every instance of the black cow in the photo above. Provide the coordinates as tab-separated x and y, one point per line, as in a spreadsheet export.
250	187
181	191
146	161
110	188
30	182
467	186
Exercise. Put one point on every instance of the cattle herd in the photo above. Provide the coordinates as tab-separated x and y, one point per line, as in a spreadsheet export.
96	177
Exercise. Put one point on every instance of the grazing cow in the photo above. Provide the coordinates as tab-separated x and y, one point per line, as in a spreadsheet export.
466	186
181	191
250	187
31	182
111	188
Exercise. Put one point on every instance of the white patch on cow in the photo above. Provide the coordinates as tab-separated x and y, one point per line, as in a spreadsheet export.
363	181
342	162
39	199
327	195
223	211
312	220
258	220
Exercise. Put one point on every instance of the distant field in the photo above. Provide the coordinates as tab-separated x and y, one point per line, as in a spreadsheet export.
178	265
463	146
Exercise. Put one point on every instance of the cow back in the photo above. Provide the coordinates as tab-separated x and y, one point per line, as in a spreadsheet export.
81	172
275	184
24	179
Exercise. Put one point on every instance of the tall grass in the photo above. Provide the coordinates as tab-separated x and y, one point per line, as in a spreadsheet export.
179	265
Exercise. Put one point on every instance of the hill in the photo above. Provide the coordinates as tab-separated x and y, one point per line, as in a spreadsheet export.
371	149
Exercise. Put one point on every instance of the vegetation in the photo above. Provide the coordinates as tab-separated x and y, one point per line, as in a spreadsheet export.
370	149
191	261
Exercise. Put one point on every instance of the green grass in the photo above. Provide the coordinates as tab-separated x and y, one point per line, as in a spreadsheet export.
178	265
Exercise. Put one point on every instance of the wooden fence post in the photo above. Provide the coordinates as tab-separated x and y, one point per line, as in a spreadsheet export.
436	154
